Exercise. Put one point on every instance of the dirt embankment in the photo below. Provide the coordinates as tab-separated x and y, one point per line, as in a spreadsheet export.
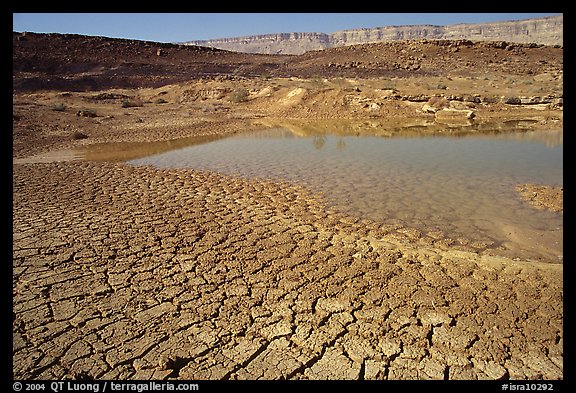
137	273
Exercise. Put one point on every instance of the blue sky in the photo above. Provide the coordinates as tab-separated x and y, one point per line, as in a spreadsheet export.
179	27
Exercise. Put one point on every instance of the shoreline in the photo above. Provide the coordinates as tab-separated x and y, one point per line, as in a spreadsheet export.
305	286
124	272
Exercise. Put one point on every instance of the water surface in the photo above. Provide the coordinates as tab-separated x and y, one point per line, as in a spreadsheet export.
462	186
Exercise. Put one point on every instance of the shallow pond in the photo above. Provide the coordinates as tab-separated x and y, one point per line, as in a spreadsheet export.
462	187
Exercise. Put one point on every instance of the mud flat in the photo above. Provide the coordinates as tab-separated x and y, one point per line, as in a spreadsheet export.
138	273
123	272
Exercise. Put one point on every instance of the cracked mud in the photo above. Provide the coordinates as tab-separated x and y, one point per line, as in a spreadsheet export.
126	272
137	273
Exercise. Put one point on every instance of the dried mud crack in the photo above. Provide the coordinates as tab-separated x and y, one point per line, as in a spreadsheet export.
136	273
124	272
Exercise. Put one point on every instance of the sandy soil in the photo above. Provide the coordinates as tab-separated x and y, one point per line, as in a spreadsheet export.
543	197
124	272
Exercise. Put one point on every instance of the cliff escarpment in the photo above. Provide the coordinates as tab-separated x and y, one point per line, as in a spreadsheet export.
546	31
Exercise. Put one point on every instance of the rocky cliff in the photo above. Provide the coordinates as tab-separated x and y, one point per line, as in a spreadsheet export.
547	31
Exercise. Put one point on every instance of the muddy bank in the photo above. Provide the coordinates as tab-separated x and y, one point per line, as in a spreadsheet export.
134	273
543	197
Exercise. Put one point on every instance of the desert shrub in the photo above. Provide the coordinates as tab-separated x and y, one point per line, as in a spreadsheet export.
79	135
59	107
471	98
340	82
438	102
388	84
131	103
239	95
108	96
86	113
317	82
512	100
266	75
490	100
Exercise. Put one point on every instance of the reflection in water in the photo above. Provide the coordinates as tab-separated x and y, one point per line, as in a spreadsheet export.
318	141
124	151
416	128
462	187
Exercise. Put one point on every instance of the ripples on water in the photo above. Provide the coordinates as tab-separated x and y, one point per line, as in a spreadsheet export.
463	186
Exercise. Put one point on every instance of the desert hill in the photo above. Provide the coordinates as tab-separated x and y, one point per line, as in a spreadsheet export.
76	62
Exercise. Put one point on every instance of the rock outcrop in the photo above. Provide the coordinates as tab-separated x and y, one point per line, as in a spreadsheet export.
547	31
